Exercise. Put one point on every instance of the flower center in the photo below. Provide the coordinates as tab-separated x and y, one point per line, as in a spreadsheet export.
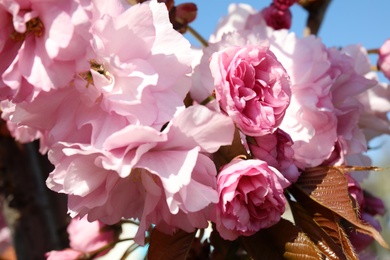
87	76
136	175
34	26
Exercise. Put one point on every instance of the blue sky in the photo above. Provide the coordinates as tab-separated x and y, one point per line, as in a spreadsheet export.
346	22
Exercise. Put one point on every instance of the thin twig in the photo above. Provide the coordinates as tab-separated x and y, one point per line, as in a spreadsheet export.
317	10
197	36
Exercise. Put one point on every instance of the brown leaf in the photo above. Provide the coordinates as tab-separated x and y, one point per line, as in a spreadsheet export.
324	242
325	233
328	187
281	241
165	247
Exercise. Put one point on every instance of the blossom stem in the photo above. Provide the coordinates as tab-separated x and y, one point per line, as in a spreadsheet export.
374	68
129	251
207	100
373	51
197	36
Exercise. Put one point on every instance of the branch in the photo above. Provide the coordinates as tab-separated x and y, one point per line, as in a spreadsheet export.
316	10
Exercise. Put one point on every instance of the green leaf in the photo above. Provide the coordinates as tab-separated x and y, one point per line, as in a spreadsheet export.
165	247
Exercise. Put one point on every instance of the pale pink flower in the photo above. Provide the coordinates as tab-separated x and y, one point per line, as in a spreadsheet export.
375	101
84	237
251	198
252	87
347	85
384	58
22	134
275	149
123	86
376	105
146	174
65	254
66	115
44	46
234	21
310	118
136	83
87	236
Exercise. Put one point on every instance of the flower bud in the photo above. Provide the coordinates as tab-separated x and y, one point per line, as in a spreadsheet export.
183	14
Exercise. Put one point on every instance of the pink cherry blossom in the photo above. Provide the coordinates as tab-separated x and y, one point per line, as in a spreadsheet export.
275	149
122	87
309	119
84	237
384	58
251	198
234	21
347	85
156	90
22	134
45	40
146	174
375	101
65	254
87	236
252	87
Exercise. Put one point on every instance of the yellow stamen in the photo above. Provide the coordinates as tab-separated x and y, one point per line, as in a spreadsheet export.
34	26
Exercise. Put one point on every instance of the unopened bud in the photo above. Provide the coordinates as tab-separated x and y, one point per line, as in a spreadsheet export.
284	4
276	18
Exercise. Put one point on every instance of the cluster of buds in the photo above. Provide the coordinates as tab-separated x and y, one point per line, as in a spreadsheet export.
278	14
180	15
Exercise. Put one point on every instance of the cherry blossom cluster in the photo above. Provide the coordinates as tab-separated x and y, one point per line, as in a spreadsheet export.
102	84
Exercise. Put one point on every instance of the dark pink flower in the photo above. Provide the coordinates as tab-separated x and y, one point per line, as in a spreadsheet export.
359	240
284	4
369	206
384	58
251	198
277	18
373	204
276	150
252	87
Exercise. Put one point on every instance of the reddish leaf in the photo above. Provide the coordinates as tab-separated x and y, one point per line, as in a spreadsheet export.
323	232
281	241
164	247
328	187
